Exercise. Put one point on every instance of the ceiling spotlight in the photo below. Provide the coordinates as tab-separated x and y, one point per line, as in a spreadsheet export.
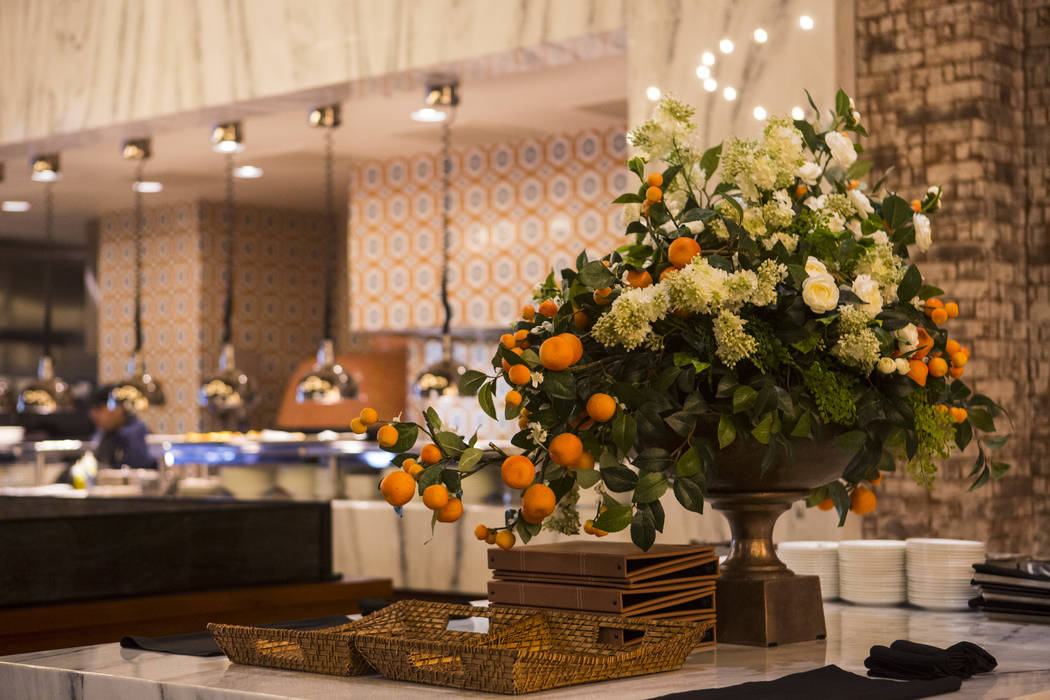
729	93
725	46
703	72
760	113
798	113
428	114
653	93
761	36
44	168
330	115
806	22
14	206
710	84
147	186
247	172
227	138
707	58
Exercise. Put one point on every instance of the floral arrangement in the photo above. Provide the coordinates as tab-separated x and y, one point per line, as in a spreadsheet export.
765	296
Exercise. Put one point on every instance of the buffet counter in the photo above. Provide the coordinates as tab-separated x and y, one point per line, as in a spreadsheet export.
107	671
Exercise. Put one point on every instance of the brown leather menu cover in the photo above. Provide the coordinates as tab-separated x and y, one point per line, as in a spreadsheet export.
664	600
608	560
689	570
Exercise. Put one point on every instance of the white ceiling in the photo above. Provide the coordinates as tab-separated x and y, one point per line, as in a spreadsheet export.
277	138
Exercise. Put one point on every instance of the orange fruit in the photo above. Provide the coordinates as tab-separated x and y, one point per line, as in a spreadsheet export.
491	537
952	308
639	278
481	532
877	480
800	191
925	345
508	341
516	351
528	312
397	488
387	436
577	345
369	416
852	184
654	194
519	374
956	372
565	449
451	511
435	496
430	454
654	179
358	426
521	335
934	303
537	503
939	316
601	407
517	471
826	504
588	527
412	467
581	320
667	272
549	309
513	398
598	532
586	461
601	296
505	539
951	347
682	251
966	351
958	414
918	372
959	359
916	205
862	501
938	367
556	354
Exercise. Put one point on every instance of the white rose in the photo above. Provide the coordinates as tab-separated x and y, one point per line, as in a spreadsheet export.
809	173
880	237
854	227
820	293
887	365
923	237
835	222
903	366
815	267
815	203
868	290
694	226
908	337
675	201
842	151
631	213
860	201
856	116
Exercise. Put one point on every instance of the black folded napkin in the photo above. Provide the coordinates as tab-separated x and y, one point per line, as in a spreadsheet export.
827	683
202	643
912	661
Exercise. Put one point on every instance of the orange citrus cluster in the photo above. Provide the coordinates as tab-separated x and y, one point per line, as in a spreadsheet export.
927	362
861	501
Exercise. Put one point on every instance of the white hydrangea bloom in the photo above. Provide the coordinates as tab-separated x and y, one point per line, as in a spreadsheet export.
734	344
675	201
628	322
631	213
859	349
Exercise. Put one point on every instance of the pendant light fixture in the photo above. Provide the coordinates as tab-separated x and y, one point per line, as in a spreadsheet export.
48	394
442	378
228	392
139	390
327	382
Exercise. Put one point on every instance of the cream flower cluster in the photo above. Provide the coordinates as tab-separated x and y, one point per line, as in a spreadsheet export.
857	345
766	164
882	265
629	321
734	344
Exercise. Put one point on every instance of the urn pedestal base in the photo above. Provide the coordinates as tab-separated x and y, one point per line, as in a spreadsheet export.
769	612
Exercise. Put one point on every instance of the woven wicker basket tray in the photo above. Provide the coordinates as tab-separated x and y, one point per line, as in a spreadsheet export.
317	651
526	649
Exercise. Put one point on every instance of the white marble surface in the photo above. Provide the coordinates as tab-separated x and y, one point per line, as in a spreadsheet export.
368	536
106	672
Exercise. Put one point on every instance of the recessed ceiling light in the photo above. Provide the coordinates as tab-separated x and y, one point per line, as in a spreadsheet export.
703	72
725	46
806	22
653	93
729	93
14	206
147	186
247	172
707	58
761	35
760	113
710	84
428	114
798	113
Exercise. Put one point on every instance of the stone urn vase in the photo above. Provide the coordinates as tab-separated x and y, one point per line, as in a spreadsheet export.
759	600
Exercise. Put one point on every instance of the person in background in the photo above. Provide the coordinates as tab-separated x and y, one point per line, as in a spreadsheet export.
121	436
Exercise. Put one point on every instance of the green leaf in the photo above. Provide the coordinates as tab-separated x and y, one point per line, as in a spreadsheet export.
709	161
981	419
736	205
726	431
895	211
859	169
527	530
963	434
842	104
681	422
909	286
927	291
485	400
451	477
996	442
469	384
686	359
469	459
803	428
643	530
619	479
629	198
637	166
688	463
763	431
595	275
615	518
838	495
450	443
407	433
428	477
981	480
998	469
743	398
689	495
587	478
852	441
651	486
559	385
624	431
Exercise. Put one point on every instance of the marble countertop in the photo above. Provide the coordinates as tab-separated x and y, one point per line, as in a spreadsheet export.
106	671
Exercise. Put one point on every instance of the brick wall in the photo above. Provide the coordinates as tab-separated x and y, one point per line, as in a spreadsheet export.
955	93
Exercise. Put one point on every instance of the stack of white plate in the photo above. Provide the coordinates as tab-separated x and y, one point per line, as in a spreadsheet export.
939	572
814	559
871	572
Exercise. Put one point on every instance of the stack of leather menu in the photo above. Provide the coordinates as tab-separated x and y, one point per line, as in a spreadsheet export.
612	578
1011	593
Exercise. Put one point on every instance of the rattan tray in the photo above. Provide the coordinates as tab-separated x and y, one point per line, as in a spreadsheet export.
317	651
526	649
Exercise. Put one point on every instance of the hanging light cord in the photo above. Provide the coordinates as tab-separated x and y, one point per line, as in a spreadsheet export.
138	257
49	225
329	240
446	206
227	309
